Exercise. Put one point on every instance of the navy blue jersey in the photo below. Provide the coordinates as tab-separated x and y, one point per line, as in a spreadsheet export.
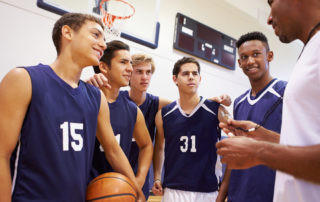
54	153
190	152
123	116
257	183
149	109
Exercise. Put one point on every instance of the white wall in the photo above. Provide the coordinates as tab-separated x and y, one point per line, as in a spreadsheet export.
26	40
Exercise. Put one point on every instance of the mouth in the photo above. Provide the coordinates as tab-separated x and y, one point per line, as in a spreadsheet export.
99	53
252	69
128	77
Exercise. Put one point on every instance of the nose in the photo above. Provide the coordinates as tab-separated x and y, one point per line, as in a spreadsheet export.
102	44
250	60
129	68
191	76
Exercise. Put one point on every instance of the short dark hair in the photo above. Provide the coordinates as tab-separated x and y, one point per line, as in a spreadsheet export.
253	36
73	20
108	54
182	61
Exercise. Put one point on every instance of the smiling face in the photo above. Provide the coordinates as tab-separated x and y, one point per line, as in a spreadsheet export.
254	60
87	43
120	69
188	78
141	76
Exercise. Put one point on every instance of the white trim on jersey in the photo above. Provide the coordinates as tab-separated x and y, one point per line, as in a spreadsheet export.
169	112
16	167
269	89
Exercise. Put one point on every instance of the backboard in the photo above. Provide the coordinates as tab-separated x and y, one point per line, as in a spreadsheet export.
143	27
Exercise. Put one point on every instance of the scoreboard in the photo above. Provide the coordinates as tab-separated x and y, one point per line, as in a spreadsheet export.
204	42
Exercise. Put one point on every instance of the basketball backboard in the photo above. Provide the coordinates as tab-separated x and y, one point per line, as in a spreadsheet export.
143	27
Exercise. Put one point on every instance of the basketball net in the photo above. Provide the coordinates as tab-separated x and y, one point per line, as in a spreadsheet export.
113	13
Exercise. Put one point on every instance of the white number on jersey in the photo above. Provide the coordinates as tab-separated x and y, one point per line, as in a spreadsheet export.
77	140
117	138
185	140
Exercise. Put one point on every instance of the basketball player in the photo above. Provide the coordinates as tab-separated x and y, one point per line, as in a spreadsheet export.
297	156
143	70
127	120
261	104
49	117
188	130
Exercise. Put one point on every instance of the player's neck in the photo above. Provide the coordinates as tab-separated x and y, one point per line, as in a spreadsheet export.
67	71
137	96
188	103
257	86
111	94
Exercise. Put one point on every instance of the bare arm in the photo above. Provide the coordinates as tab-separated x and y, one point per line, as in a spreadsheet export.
143	140
223	192
163	102
15	96
242	152
113	151
158	155
249	129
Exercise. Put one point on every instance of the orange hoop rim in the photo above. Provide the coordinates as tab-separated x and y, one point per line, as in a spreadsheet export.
108	18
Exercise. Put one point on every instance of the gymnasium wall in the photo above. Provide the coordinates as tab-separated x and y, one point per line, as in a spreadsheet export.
26	40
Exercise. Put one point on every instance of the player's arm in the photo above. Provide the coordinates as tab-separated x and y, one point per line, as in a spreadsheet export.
158	155
163	102
143	140
15	96
300	161
113	151
223	99
223	191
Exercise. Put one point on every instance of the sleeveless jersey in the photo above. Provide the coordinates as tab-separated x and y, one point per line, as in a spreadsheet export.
123	115
54	153
190	152
149	109
257	183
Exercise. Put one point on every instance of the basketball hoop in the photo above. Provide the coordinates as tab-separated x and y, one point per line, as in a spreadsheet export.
108	17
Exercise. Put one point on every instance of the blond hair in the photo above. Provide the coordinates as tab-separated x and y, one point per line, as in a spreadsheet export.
143	58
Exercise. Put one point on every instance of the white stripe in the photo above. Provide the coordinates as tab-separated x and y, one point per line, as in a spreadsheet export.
269	89
207	109
193	111
174	108
16	167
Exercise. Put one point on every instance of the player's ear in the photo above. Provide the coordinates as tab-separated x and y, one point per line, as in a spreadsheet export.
174	78
66	32
270	56
103	67
239	62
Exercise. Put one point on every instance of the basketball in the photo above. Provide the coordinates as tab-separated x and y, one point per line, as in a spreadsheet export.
111	187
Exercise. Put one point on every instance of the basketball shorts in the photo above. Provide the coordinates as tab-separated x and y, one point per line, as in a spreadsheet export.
174	195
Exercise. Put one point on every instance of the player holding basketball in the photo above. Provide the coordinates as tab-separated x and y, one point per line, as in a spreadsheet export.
261	104
126	118
49	118
297	156
188	129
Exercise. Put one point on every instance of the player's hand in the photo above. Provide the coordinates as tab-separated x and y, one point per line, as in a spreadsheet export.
238	152
141	197
223	99
240	128
140	182
99	80
157	188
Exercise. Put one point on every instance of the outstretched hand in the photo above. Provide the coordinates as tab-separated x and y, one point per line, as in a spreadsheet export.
223	99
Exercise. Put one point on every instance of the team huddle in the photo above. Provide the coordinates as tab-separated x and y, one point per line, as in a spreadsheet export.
59	132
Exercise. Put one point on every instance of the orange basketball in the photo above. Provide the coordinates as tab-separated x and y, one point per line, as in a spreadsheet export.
111	187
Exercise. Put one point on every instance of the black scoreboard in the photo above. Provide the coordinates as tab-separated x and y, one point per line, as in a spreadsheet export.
204	42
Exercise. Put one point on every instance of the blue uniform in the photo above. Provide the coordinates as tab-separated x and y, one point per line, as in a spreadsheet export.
149	109
190	152
123	116
257	183
53	157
